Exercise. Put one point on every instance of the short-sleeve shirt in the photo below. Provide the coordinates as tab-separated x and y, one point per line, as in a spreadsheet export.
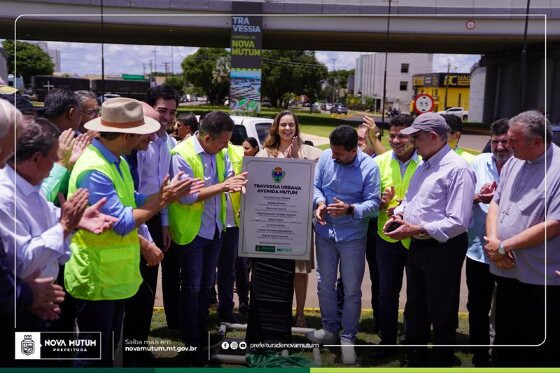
523	203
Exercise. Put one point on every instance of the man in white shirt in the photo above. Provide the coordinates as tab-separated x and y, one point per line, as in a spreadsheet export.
35	233
153	165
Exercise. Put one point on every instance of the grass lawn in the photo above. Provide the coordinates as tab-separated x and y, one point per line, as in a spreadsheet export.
161	335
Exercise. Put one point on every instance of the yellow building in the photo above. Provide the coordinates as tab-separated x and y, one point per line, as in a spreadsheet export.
447	90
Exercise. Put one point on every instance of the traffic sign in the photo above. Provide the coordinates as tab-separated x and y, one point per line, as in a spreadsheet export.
423	103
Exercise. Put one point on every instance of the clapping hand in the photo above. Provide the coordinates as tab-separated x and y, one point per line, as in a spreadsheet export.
338	208
371	132
94	221
72	210
46	296
293	148
235	183
80	144
172	191
386	197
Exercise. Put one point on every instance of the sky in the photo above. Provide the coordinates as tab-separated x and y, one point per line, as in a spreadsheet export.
84	58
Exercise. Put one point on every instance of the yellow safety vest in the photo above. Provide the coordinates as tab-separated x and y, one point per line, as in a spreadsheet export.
185	220
390	173
235	154
104	266
465	155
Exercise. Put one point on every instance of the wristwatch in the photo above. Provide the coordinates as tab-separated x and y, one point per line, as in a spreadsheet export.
501	249
350	210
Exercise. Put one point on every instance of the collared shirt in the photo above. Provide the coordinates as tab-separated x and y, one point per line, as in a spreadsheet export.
523	203
486	171
99	186
357	184
404	165
152	167
56	182
38	240
211	213
440	195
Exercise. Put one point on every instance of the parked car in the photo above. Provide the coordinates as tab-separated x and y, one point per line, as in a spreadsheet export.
458	111
339	109
106	96
250	127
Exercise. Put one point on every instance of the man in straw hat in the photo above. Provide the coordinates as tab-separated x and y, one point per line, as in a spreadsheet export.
104	269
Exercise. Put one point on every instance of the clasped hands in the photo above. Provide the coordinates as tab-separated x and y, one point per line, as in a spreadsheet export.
500	261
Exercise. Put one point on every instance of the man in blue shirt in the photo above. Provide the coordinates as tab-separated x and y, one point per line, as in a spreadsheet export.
480	282
346	195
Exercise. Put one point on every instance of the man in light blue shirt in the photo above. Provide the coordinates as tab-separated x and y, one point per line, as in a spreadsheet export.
346	195
480	282
199	252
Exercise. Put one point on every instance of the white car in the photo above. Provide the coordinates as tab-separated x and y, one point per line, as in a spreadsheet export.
250	127
458	111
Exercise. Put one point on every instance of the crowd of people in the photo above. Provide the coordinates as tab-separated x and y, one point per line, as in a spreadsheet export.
95	198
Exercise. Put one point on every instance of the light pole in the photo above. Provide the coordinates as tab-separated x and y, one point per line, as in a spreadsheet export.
385	71
523	64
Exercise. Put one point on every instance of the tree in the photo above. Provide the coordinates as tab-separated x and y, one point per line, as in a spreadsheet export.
31	60
199	71
289	71
175	82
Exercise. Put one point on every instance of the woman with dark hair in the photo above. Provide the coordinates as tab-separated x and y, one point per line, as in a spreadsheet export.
250	147
284	141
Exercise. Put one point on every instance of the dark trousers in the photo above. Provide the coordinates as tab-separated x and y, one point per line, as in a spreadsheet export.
171	286
140	307
480	283
371	258
391	260
226	272
433	282
242	280
520	320
105	316
198	274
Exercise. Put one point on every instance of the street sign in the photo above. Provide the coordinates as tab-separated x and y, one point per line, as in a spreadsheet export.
423	103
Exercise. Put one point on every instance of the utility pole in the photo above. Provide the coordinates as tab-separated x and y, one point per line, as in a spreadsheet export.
447	83
155	60
385	70
166	68
143	69
523	64
172	67
333	72
151	72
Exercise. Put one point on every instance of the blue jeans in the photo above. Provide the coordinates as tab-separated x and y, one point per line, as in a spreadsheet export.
226	271
198	273
352	256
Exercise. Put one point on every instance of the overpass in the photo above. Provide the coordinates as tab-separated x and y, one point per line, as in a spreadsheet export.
433	26
492	28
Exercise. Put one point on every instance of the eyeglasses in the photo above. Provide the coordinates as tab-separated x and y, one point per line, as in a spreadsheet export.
91	113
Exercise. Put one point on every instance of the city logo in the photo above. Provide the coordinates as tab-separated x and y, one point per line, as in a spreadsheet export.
278	174
27	345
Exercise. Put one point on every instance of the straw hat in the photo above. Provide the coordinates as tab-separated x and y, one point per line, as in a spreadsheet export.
123	115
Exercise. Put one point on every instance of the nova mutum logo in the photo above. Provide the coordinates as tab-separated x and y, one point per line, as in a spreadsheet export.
278	174
27	345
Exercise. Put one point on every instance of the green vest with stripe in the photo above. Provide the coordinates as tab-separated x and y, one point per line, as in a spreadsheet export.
185	220
390	173
235	154
465	155
104	266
